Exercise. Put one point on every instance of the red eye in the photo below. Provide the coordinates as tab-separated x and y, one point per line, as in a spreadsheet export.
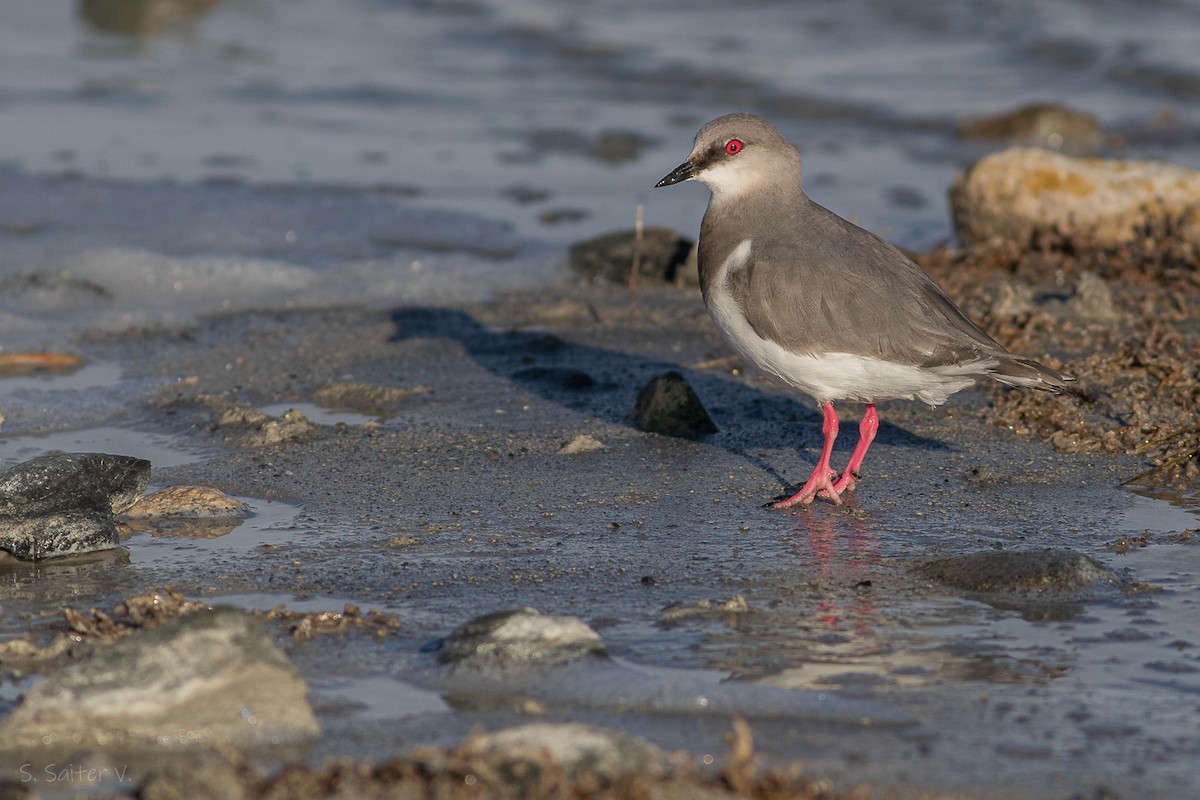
733	146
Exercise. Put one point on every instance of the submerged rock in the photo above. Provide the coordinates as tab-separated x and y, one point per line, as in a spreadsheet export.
63	503
668	405
1047	584
704	609
1019	195
1047	571
519	638
609	258
209	676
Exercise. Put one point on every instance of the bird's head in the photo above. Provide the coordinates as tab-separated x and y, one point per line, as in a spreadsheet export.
737	153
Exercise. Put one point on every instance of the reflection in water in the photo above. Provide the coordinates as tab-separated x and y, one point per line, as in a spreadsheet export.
28	589
830	632
141	17
843	558
179	528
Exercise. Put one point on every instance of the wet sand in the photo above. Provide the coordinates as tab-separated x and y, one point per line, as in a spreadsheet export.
452	496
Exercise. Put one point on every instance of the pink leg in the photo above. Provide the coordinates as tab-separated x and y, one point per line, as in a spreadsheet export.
820	481
866	434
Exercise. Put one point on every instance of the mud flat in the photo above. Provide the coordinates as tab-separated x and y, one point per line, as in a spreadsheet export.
481	457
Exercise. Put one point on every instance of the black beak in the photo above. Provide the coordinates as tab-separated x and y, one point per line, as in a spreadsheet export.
684	172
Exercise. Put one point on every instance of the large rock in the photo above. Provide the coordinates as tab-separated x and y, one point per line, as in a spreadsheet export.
1022	194
206	677
63	503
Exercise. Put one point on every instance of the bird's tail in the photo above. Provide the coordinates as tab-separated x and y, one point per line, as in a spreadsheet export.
1027	373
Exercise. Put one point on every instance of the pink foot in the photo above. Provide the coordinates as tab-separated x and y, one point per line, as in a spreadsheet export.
820	483
814	488
846	482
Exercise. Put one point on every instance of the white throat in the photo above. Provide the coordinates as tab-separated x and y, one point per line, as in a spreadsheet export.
729	179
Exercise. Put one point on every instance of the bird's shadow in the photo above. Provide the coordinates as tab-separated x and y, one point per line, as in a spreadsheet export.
604	383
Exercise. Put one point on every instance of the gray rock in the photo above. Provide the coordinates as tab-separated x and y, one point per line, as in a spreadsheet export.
668	405
1020	195
1046	571
63	503
1092	299
572	747
1045	125
206	677
519	638
609	258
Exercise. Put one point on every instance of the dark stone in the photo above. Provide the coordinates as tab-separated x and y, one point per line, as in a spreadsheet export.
63	503
609	258
668	405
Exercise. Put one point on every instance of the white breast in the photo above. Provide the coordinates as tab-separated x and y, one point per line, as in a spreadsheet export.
831	376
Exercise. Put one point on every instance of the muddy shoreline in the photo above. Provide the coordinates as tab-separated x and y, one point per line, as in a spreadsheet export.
455	495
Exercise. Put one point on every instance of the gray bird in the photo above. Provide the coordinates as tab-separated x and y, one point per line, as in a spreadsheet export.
822	306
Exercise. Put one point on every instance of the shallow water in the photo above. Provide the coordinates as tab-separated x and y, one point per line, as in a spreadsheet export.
316	414
270	153
172	549
159	449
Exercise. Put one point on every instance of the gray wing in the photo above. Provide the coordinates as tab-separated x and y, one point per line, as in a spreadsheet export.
828	285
